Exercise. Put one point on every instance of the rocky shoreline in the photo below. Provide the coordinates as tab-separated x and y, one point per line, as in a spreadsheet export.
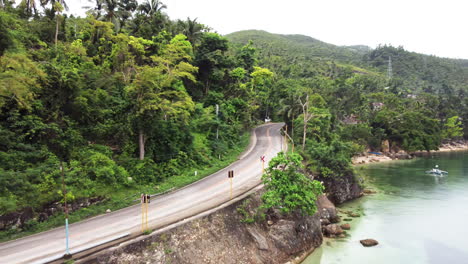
400	154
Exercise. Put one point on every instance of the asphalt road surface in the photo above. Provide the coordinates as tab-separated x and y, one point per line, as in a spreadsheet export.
163	210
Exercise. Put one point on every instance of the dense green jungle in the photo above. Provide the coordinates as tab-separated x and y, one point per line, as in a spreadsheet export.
127	100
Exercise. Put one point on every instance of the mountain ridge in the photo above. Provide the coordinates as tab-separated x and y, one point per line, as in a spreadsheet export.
295	55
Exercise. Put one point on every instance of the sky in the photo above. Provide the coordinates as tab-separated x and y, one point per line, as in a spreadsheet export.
430	27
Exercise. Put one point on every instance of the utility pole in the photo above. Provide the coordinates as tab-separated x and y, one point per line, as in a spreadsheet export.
389	70
285	139
64	191
217	127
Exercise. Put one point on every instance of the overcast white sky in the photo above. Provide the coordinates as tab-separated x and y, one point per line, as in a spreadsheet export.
426	26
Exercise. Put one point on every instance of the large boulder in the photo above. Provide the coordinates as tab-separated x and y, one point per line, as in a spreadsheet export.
295	236
327	210
341	189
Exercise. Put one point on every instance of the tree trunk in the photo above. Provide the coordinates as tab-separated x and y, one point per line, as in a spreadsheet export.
306	115
305	132
141	144
56	30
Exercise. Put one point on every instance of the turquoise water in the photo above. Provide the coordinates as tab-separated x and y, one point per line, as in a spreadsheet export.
416	217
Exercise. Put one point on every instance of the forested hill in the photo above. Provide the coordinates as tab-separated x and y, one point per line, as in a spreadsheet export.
302	56
295	55
419	72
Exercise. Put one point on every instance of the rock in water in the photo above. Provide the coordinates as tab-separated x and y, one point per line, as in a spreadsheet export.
345	226
354	215
369	242
368	191
333	230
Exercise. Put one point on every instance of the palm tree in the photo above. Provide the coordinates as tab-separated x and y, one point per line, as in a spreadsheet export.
57	6
151	7
30	5
150	19
193	30
115	11
125	10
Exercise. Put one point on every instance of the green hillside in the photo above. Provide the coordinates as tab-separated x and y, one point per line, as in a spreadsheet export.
420	72
295	55
303	56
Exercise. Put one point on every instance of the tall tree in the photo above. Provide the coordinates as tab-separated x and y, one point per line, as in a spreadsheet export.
158	92
58	7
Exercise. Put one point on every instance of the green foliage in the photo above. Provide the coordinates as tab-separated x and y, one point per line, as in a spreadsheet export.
329	159
452	128
287	188
19	79
246	215
96	165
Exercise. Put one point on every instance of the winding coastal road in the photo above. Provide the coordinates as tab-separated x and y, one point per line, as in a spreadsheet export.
167	209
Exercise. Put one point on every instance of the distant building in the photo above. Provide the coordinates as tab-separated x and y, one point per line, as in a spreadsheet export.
351	120
377	106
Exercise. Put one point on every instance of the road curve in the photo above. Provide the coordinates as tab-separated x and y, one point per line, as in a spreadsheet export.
164	210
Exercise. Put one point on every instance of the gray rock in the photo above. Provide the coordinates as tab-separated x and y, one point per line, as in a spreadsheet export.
292	237
327	209
341	189
325	221
258	238
281	233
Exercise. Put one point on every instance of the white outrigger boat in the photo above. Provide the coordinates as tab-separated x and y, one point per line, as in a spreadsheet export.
436	171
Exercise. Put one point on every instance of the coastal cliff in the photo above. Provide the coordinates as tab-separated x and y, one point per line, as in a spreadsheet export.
341	189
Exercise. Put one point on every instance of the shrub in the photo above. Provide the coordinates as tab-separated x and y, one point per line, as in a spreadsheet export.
287	188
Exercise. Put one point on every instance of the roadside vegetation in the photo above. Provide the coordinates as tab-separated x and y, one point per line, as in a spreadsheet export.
125	101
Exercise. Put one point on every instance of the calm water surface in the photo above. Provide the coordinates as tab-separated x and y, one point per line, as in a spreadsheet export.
416	217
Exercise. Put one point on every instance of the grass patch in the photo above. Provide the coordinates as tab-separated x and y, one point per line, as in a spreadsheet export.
120	198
